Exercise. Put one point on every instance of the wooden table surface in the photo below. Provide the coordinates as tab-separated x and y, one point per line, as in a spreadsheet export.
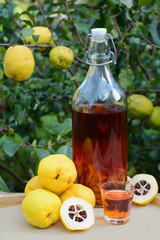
144	224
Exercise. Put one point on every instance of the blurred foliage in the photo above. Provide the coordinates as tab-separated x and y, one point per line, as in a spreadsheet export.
35	116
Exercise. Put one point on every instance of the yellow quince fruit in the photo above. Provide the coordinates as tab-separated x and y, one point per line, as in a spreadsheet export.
56	173
32	184
18	63
41	208
139	106
80	191
153	120
61	57
44	37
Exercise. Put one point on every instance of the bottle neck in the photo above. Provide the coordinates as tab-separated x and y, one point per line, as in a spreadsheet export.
98	51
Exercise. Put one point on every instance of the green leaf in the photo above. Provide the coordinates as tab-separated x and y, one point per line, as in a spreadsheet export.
154	155
10	148
41	153
79	2
18	138
157	6
96	15
5	13
112	4
3	138
135	43
34	143
82	27
36	38
144	2
3	185
128	3
19	112
49	144
154	33
26	100
48	120
27	32
34	13
65	149
126	78
149	7
62	128
39	18
54	36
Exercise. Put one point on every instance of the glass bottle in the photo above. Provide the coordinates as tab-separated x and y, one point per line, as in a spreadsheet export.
99	119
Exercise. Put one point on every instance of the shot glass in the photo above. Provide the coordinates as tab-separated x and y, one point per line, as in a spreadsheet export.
117	200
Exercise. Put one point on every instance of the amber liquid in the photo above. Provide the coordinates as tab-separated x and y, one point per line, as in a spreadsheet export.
100	145
117	206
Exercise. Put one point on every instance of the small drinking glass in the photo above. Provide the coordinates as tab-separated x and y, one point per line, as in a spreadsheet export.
117	200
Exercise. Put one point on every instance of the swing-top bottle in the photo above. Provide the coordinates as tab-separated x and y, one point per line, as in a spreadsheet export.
99	118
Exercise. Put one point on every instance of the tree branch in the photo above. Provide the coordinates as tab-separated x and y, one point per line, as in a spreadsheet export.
13	174
125	38
148	41
54	99
46	145
91	10
45	19
56	42
40	8
124	44
17	24
3	130
146	149
74	27
38	71
25	169
79	60
27	45
142	90
147	74
3	112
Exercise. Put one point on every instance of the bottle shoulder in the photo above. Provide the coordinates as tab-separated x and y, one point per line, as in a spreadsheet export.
99	88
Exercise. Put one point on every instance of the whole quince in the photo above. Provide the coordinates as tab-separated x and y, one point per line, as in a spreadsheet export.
33	184
80	191
18	62
56	173
139	106
41	208
61	57
153	120
44	37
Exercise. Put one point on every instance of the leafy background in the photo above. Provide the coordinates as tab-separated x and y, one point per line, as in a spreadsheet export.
35	116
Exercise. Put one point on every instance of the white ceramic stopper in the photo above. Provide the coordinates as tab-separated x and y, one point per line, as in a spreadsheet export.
98	32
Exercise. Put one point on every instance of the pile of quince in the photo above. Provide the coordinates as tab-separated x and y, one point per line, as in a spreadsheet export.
53	194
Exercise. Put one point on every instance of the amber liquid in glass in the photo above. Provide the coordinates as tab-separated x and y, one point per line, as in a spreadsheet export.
100	145
117	206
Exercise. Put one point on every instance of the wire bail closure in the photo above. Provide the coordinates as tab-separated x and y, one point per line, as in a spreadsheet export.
111	54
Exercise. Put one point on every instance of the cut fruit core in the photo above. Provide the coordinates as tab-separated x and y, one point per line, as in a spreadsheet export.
142	187
77	213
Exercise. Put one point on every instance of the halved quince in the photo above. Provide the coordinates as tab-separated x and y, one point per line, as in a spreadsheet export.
77	214
145	188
